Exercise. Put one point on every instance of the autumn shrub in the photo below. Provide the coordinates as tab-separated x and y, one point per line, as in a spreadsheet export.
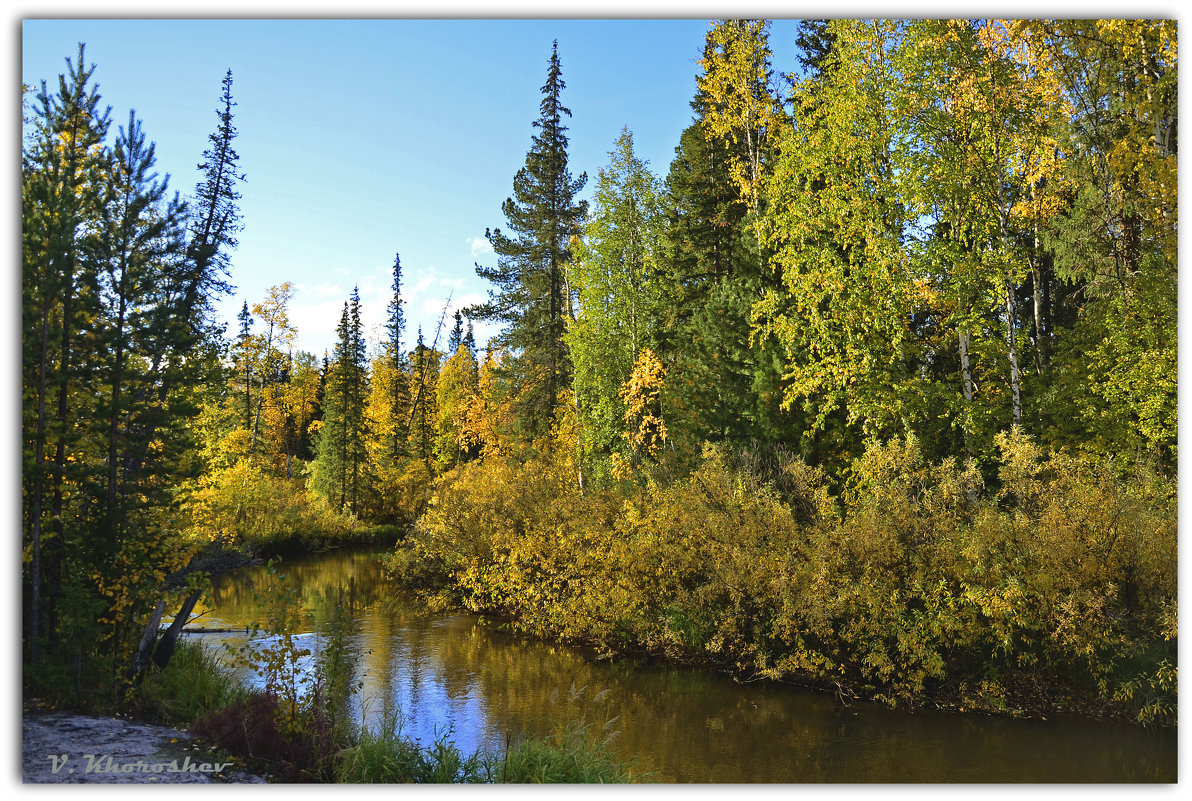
884	593
242	505
709	551
1089	552
916	577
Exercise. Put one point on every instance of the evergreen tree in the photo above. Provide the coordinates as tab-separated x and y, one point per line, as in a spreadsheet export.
719	386
457	334
341	461
62	168
331	444
185	341
470	341
424	368
400	390
138	231
217	216
108	436
242	355
357	450
532	296
815	41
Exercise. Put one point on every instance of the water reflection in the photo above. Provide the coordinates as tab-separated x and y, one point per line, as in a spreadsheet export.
487	686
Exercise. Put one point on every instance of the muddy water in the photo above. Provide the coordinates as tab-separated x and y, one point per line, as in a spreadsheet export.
452	673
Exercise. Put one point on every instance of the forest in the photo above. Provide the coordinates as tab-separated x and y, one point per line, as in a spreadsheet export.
874	389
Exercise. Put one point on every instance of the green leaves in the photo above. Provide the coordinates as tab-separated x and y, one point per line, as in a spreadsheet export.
835	216
619	297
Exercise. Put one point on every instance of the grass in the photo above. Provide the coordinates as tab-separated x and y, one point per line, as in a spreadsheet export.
387	756
191	684
578	754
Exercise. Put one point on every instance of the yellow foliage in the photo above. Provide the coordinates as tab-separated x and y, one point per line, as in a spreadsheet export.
1066	567
642	395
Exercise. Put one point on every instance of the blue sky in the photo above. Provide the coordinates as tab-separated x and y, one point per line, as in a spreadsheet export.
362	138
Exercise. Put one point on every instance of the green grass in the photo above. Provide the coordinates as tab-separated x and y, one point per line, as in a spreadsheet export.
387	756
579	754
192	683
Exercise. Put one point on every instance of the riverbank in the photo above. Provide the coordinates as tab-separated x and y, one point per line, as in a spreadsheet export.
486	688
69	748
917	585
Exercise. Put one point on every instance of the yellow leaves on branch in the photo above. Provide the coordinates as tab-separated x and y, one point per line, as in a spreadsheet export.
741	108
642	395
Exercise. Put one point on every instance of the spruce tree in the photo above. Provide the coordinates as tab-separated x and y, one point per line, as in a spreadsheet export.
401	388
456	337
721	387
217	216
815	41
341	463
243	355
357	371
423	408
532	297
470	341
184	340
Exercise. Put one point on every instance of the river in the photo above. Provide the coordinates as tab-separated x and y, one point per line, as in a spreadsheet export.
454	673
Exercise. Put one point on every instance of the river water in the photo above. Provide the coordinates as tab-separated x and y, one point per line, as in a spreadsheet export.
454	674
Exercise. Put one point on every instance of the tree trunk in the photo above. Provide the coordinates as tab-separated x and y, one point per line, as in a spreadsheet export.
966	386
1040	336
165	648
147	640
1012	343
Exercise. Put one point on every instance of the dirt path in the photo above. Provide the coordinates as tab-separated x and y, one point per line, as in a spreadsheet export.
60	747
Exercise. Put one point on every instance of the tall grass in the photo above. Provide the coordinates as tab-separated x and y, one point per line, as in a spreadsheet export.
193	683
577	754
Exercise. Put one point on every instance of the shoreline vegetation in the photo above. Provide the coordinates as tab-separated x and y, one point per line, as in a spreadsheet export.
1052	593
874	391
281	733
296	726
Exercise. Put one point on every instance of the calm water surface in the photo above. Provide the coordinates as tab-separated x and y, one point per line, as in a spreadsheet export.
452	673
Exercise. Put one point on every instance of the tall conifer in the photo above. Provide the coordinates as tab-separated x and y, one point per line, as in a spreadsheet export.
532	296
394	326
341	468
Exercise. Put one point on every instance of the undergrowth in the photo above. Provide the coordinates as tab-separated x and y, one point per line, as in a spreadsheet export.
913	581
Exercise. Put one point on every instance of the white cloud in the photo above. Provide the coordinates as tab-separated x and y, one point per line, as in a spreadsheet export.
480	246
468	299
322	290
316	308
316	322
